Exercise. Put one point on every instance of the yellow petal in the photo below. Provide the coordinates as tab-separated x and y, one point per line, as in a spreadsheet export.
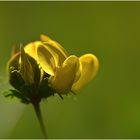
78	74
56	47
31	49
90	65
61	58
45	38
46	59
26	68
65	75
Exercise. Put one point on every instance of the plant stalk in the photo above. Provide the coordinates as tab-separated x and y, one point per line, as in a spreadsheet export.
40	118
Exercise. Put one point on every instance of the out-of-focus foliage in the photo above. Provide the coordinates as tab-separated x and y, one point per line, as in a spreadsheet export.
109	107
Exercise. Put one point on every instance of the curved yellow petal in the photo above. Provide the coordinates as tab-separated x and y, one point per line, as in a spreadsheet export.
56	47
61	58
90	65
78	73
26	68
45	38
46	59
31	49
65	75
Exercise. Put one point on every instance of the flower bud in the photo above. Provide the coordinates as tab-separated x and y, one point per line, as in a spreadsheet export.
26	77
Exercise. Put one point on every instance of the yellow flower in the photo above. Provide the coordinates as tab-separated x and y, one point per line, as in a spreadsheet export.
43	68
67	72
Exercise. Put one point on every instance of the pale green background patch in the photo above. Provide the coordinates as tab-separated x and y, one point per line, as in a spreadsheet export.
109	107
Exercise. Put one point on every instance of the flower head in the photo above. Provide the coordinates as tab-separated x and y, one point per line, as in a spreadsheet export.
44	67
67	72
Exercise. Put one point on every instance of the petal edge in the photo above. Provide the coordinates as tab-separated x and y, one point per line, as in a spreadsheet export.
90	66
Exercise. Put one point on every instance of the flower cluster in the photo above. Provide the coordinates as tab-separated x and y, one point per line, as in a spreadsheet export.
42	68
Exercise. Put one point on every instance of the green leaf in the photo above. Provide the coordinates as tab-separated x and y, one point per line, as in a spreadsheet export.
14	93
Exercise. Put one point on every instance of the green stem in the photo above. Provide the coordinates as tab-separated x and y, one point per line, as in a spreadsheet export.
40	119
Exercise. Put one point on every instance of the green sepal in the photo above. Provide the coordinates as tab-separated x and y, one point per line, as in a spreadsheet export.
44	89
18	83
14	93
16	80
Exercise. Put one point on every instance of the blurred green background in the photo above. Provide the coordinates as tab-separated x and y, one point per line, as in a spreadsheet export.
109	107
